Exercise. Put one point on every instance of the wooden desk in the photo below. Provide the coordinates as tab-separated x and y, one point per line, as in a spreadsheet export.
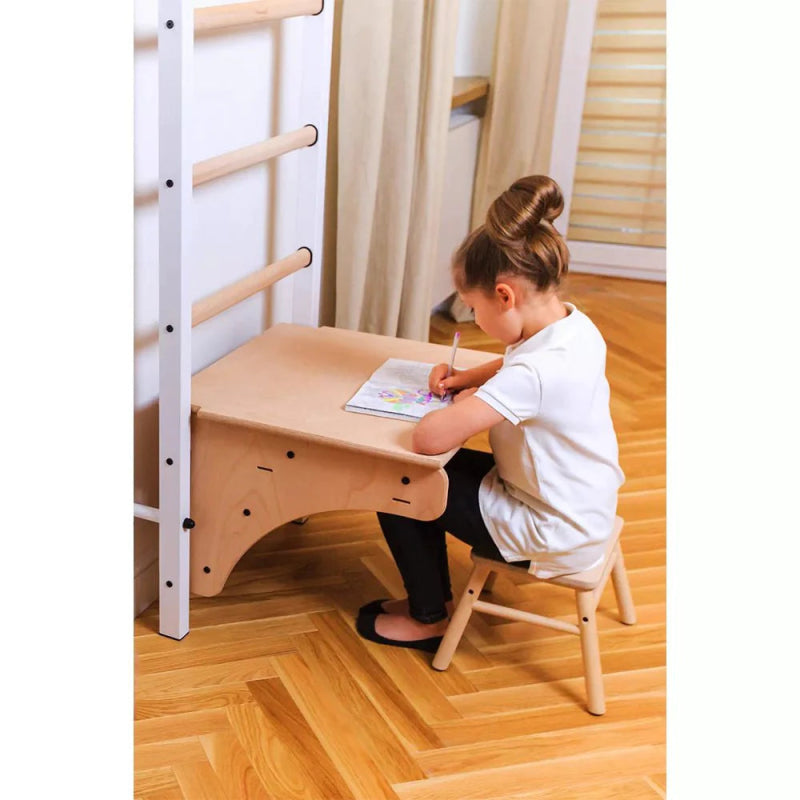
271	441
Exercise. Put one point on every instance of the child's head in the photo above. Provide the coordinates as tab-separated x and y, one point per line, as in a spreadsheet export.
517	250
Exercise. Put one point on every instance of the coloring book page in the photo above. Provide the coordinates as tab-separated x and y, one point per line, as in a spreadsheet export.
398	388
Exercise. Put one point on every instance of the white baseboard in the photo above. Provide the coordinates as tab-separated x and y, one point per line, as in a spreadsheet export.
620	261
619	272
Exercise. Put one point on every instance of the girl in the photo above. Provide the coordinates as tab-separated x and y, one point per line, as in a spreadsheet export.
547	493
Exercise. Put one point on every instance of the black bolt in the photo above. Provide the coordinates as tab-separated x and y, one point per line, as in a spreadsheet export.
206	570
170	184
470	591
586	619
405	479
169	461
188	524
170	329
169	584
290	454
170	23
246	512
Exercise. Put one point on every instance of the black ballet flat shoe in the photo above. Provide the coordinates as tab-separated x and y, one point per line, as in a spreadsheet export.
375	607
365	625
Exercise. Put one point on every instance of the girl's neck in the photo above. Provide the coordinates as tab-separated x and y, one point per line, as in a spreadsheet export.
539	312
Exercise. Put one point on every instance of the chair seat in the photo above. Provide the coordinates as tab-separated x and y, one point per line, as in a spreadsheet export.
587	580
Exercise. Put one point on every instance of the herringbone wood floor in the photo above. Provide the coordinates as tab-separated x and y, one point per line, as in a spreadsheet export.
273	695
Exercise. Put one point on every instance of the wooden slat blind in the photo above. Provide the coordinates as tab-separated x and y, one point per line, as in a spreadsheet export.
619	189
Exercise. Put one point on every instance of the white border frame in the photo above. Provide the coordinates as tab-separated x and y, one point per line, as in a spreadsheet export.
644	263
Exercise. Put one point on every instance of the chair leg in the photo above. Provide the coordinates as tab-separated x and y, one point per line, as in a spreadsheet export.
461	615
489	585
590	649
622	590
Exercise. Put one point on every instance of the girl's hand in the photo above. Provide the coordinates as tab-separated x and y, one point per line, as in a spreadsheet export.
464	394
439	384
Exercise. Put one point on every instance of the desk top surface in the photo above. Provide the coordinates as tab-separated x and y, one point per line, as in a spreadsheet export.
296	380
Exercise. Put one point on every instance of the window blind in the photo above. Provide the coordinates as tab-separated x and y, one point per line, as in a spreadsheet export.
620	178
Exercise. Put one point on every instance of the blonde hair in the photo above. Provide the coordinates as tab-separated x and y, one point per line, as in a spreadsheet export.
517	238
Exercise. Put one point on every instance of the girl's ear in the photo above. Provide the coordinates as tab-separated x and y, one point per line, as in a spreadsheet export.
506	295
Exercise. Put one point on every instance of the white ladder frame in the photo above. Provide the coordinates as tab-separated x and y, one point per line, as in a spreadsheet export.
176	31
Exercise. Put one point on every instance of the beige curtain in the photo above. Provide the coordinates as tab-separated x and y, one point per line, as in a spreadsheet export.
518	127
389	122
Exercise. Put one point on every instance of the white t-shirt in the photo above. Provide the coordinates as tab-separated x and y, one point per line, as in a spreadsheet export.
552	496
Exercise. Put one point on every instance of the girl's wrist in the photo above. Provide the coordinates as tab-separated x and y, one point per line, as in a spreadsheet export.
461	379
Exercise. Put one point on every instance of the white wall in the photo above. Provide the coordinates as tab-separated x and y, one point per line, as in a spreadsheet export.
245	86
477	24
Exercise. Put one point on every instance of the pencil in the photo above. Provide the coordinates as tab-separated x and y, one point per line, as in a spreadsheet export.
456	337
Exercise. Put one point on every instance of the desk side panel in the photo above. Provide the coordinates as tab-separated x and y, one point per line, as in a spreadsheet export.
247	482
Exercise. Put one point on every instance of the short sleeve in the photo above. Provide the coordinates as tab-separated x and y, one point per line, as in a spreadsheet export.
515	392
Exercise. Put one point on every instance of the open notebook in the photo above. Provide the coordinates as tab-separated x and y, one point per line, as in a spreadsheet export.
398	389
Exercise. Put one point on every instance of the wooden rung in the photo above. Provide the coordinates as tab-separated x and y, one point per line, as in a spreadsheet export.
241	290
227	163
233	15
218	166
524	616
145	512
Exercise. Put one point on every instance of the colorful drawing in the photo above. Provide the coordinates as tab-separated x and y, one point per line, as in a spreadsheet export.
397	389
405	397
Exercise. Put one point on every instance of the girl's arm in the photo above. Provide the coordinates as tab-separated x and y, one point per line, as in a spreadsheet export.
443	430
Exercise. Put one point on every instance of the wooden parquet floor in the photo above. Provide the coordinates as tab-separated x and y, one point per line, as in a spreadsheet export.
273	695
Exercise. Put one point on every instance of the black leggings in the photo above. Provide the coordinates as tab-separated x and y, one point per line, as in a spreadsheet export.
419	548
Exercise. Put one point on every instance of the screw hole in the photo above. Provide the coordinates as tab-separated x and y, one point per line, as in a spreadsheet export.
405	479
290	454
206	570
170	23
170	329
470	591
586	619
246	512
169	461
169	584
170	183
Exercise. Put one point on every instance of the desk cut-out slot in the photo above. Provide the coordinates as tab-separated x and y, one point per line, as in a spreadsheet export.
400	500
266	469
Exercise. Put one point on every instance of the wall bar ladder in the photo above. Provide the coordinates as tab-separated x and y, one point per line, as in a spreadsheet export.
178	23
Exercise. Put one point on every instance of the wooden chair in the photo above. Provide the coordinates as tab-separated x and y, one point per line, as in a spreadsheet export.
588	587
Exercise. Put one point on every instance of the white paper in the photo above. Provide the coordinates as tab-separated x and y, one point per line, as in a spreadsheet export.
398	388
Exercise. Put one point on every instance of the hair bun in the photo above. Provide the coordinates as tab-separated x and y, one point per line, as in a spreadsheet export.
515	215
